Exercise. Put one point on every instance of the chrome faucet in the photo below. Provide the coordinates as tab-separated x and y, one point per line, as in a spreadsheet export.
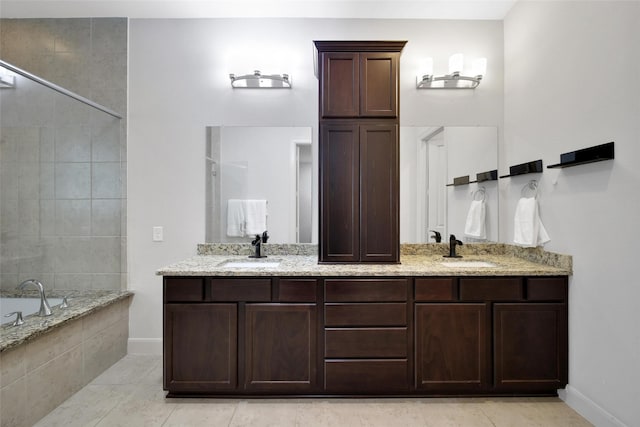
452	247
45	308
257	244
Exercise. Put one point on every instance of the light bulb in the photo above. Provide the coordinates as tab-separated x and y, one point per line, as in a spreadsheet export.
455	63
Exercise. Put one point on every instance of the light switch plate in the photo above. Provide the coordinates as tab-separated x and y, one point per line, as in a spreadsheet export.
158	234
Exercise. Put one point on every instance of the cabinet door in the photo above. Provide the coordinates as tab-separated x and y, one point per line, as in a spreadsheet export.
379	187
452	347
280	349
530	346
339	193
340	84
200	347
379	84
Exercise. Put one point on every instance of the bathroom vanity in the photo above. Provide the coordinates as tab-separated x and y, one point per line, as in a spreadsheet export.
420	328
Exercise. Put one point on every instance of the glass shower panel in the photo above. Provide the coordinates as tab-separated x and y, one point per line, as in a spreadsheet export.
61	192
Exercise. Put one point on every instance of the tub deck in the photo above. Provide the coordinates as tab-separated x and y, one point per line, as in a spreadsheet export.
81	303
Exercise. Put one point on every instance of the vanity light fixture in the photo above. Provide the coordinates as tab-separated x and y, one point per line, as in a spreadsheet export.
258	80
454	79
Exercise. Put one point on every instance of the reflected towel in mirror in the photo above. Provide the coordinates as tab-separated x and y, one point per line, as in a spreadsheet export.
475	226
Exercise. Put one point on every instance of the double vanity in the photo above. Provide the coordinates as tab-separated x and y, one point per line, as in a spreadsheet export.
493	322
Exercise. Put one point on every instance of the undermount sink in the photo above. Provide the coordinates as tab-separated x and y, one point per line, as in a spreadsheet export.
256	263
468	264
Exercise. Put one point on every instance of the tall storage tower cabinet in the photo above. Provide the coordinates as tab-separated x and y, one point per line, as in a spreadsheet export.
359	151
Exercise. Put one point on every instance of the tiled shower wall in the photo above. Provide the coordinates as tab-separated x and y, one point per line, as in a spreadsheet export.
63	164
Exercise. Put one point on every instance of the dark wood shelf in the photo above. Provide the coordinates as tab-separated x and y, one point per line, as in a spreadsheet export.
593	154
524	168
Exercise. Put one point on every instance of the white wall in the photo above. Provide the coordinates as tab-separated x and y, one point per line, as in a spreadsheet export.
178	84
571	82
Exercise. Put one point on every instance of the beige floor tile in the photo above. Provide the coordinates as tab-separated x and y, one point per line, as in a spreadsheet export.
264	413
211	413
87	407
132	370
144	406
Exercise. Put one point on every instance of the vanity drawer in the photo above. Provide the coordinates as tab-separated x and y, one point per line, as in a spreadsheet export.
491	289
546	288
365	376
369	342
371	314
365	290
296	290
249	290
183	289
436	289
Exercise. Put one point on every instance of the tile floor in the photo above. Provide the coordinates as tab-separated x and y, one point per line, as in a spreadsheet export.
130	394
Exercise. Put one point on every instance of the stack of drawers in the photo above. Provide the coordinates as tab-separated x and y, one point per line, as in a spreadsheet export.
366	335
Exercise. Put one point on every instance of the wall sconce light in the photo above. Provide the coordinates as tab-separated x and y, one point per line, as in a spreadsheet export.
454	79
260	81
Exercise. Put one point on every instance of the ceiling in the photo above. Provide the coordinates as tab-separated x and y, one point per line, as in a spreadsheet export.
388	9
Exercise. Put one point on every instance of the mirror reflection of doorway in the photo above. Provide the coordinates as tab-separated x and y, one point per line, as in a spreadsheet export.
304	191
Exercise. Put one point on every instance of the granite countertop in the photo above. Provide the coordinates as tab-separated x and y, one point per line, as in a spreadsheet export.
410	265
81	303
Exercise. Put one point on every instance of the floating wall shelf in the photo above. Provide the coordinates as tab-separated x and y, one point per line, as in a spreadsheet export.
593	154
524	168
487	176
461	180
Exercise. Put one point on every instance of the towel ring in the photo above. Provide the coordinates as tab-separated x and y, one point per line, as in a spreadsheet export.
530	189
480	192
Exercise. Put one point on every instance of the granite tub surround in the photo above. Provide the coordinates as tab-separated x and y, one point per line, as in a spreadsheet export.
416	260
81	303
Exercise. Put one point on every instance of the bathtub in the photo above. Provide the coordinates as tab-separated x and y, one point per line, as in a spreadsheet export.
48	359
26	305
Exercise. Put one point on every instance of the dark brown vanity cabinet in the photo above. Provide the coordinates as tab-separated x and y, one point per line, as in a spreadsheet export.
483	335
365	335
240	335
359	160
367	347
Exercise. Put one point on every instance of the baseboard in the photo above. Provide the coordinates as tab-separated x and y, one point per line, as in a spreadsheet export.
144	346
590	410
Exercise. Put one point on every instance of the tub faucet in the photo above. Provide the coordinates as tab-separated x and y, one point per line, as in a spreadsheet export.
45	308
452	247
257	244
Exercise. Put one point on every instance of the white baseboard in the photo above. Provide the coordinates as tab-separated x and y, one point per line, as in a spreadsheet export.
590	410
144	346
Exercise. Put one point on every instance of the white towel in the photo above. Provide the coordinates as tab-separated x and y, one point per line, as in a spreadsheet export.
235	218
255	216
475	226
528	230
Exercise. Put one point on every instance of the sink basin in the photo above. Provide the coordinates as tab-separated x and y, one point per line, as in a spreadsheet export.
250	264
468	264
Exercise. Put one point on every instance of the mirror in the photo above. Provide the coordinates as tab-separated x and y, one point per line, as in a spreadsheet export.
260	178
279	165
431	160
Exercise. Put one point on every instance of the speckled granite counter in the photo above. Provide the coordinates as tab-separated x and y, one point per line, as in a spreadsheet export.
416	260
81	303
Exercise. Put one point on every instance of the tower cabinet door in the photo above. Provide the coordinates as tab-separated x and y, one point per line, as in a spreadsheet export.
379	84
200	347
452	347
530	346
339	193
280	347
379	204
340	84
